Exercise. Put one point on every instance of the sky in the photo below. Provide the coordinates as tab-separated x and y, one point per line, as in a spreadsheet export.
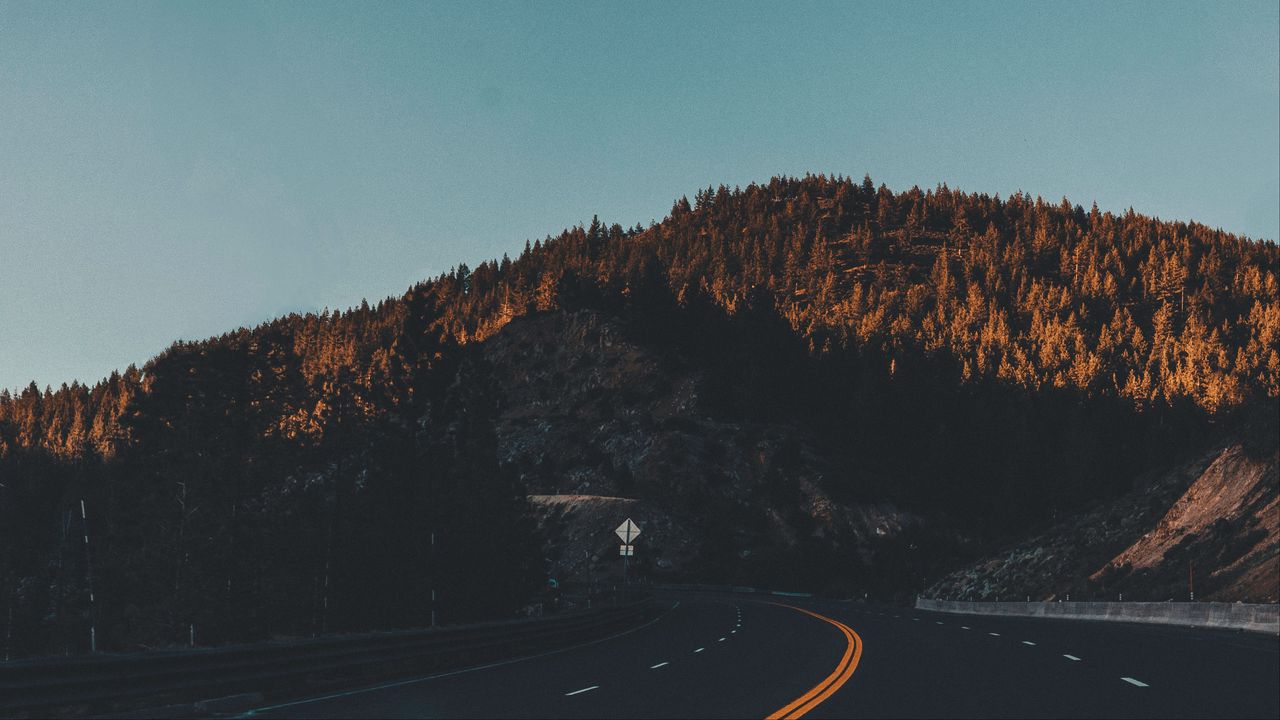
176	170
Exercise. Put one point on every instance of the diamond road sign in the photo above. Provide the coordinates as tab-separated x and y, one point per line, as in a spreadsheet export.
628	531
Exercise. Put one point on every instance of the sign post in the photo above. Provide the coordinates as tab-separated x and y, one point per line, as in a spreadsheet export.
628	531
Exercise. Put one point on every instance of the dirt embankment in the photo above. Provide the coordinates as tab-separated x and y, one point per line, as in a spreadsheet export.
1211	524
1223	534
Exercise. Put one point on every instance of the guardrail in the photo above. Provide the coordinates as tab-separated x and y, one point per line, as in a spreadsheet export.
1241	616
114	683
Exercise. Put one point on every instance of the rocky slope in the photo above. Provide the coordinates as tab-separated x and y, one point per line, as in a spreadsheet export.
1212	520
601	426
1227	523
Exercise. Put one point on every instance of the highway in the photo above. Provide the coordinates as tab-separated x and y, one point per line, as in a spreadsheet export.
742	656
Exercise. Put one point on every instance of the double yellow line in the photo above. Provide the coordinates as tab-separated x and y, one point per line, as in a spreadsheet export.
833	682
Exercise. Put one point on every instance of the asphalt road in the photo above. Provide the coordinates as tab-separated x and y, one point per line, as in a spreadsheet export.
737	656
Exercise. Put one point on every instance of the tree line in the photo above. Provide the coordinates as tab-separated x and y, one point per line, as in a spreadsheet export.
1013	357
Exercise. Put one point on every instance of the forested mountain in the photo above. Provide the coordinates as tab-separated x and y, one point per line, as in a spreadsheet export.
984	364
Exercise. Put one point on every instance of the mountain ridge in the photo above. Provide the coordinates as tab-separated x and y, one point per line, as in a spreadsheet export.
769	365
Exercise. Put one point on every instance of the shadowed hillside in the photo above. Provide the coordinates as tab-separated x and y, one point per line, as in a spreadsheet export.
817	381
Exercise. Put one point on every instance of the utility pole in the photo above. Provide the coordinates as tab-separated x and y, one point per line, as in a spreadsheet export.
434	573
324	607
183	515
88	574
328	558
59	606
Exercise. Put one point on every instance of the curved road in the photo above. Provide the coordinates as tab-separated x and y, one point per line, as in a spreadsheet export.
738	656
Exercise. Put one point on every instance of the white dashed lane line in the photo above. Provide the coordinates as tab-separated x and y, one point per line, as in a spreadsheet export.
1135	683
1027	642
1072	657
939	622
579	692
661	664
994	634
965	627
699	650
720	640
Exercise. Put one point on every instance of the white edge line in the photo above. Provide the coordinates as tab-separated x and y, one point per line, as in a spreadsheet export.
387	686
585	689
661	664
1137	683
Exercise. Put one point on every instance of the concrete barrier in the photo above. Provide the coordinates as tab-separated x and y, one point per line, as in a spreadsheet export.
1241	616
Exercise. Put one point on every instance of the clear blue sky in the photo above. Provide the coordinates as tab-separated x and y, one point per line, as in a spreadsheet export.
176	170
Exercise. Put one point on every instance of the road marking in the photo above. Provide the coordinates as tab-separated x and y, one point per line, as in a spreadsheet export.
965	627
720	640
844	670
1071	657
733	632
994	634
655	667
1027	642
1137	683
699	650
916	619
939	622
451	673
579	692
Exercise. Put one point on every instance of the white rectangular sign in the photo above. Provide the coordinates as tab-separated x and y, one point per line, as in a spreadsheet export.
627	550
